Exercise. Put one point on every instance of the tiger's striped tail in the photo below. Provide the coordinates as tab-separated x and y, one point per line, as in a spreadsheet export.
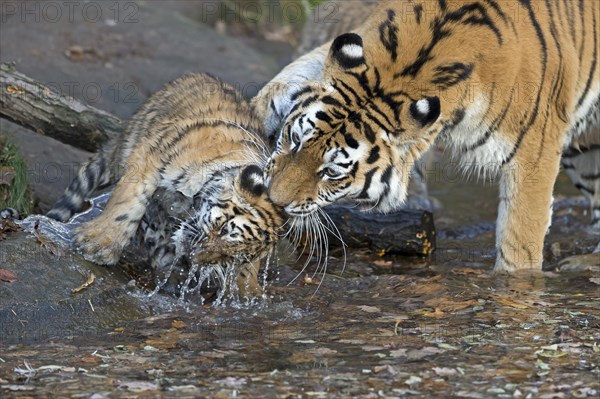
92	175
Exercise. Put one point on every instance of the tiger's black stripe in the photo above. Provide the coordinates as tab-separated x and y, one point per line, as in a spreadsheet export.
357	99
418	10
591	75
368	179
582	18
388	35
544	62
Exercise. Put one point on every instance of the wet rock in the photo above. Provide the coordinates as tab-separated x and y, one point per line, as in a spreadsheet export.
50	298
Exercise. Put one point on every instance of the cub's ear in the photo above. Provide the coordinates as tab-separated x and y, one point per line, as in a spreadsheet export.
426	111
251	180
347	51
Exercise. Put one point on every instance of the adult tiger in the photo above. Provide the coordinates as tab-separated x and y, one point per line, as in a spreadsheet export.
507	85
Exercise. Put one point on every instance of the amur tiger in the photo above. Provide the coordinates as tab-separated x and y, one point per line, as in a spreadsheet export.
189	163
507	86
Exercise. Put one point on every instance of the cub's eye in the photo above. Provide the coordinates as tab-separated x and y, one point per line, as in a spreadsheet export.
225	229
295	140
330	173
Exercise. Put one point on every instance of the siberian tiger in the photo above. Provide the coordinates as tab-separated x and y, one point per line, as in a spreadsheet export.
191	153
508	86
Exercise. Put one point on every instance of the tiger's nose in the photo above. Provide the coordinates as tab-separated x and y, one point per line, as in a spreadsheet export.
287	185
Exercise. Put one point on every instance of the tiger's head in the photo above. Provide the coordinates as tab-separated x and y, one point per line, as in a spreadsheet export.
352	136
234	222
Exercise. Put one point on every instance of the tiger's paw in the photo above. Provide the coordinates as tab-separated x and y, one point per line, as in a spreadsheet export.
98	244
503	268
581	263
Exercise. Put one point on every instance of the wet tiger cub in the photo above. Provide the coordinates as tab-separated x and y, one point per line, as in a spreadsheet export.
195	145
507	86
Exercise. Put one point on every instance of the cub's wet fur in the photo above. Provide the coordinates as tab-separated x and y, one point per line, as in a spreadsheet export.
190	161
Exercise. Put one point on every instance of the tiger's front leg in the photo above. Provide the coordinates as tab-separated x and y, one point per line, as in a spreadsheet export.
247	280
525	209
103	239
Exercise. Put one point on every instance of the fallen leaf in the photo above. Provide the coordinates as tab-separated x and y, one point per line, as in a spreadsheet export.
90	359
449	347
311	355
46	243
390	369
427	288
447	304
369	309
398	353
8	276
83	286
416	354
437	313
510	302
139	386
466	270
178	324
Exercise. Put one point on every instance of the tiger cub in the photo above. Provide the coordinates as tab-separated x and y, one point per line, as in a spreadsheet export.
191	154
506	85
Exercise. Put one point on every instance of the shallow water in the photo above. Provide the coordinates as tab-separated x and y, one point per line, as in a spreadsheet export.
391	327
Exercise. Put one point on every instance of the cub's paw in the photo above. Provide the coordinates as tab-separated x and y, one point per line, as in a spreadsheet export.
98	244
581	263
273	104
247	281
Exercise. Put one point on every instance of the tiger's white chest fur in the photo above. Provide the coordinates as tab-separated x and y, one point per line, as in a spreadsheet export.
586	116
474	143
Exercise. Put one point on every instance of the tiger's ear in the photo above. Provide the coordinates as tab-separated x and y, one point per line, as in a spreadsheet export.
426	111
251	180
347	51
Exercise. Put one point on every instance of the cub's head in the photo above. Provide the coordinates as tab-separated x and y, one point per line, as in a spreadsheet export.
352	136
234	222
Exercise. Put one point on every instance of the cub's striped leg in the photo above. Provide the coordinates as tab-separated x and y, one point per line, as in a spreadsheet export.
582	164
247	279
92	175
525	209
102	240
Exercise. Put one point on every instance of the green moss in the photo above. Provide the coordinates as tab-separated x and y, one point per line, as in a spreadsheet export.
13	170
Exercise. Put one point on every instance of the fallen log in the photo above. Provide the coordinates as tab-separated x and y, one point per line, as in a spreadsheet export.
405	232
34	106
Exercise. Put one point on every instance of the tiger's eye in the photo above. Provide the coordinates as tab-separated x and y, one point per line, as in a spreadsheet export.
329	172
